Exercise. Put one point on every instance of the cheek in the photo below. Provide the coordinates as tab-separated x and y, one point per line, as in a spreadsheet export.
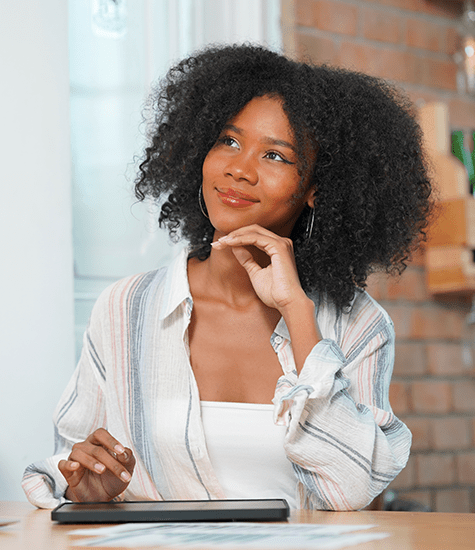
211	169
286	189
205	167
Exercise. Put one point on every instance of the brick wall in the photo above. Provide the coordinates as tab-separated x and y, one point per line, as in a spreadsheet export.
412	42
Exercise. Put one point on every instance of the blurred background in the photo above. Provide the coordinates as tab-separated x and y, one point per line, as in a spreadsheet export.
75	78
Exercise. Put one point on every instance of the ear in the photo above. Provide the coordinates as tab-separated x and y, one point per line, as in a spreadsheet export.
310	197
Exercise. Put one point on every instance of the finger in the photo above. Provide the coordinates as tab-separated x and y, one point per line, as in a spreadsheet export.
68	467
268	243
97	459
84	454
246	230
113	464
105	439
127	458
71	471
251	229
245	258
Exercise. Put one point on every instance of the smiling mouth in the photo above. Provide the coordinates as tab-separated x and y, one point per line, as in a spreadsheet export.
231	197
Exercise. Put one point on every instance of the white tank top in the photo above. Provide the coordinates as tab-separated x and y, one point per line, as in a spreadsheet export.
246	450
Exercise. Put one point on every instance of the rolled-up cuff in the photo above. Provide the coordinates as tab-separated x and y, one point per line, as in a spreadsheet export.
43	484
315	381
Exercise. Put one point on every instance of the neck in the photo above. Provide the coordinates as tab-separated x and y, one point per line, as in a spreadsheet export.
223	276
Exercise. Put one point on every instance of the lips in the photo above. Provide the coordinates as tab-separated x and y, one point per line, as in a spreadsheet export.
233	197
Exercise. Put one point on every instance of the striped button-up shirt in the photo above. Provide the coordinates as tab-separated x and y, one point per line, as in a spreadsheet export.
134	378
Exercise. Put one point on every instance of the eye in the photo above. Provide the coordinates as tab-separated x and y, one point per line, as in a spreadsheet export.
229	141
273	155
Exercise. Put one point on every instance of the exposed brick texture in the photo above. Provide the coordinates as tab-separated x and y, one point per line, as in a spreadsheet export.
407	478
435	469
441	8
453	501
379	25
466	467
411	287
450	433
431	396
412	42
410	360
328	15
326	48
446	359
399	397
421	433
425	35
432	321
464	396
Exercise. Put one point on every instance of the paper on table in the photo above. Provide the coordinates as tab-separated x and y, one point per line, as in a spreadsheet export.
230	535
5	522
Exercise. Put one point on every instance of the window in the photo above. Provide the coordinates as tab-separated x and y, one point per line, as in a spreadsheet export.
113	60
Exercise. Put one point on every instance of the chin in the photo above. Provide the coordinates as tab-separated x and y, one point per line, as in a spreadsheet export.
227	222
225	228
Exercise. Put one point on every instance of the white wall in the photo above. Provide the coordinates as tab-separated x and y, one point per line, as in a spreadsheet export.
36	283
36	279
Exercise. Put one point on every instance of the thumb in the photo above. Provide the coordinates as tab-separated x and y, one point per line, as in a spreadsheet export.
72	471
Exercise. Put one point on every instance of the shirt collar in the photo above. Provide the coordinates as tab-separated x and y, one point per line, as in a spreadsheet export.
177	291
282	330
176	288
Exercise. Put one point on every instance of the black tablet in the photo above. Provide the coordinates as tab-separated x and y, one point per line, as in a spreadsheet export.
172	510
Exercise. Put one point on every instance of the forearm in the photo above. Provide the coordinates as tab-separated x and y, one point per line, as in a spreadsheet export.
344	440
299	316
342	455
43	484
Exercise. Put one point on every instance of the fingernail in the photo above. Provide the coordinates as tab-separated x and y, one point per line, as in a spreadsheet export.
99	468
119	449
126	456
74	464
125	476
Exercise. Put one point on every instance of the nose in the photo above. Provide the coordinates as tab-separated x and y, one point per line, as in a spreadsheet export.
242	167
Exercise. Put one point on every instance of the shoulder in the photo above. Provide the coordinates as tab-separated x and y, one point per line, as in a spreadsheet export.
131	298
125	294
123	290
361	322
365	309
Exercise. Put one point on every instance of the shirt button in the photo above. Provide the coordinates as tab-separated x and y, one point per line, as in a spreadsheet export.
278	339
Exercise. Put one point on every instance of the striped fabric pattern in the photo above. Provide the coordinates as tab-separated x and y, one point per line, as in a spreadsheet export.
134	378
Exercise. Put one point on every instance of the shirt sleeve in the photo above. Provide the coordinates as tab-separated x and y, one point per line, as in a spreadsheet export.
80	411
343	440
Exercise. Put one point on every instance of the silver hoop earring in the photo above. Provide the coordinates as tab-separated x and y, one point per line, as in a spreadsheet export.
311	219
201	202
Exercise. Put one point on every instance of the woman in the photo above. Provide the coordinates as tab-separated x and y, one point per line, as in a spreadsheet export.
291	183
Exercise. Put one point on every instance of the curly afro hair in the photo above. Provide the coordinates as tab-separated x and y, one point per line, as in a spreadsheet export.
372	192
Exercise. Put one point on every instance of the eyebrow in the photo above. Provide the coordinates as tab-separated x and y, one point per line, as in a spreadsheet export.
268	140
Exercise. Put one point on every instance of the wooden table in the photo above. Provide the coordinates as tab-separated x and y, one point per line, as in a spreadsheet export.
408	530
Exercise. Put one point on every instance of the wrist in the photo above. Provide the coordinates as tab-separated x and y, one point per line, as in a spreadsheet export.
300	306
299	317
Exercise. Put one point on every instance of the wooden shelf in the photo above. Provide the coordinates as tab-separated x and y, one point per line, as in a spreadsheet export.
450	250
455	223
450	270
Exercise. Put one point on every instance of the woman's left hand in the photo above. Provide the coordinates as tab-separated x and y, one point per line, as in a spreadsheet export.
278	284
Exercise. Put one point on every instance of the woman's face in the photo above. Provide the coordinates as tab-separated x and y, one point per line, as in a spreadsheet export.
250	175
